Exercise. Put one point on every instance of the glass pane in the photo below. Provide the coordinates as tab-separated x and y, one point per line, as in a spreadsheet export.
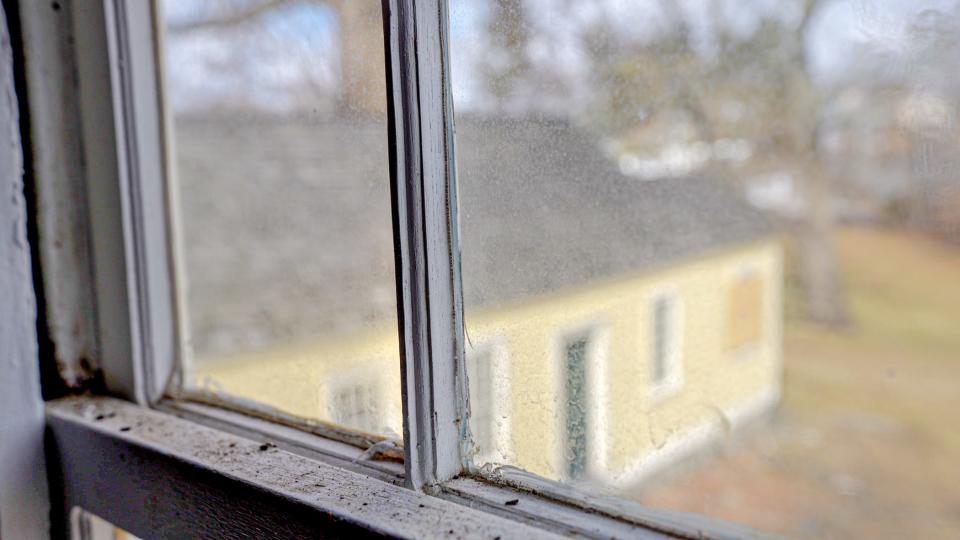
717	244
280	164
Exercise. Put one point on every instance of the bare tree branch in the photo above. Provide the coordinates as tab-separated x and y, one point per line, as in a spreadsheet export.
232	18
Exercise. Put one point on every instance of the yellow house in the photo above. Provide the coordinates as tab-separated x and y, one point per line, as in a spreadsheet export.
614	325
613	381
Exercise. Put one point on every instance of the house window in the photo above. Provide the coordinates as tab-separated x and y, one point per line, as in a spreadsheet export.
744	312
665	344
576	444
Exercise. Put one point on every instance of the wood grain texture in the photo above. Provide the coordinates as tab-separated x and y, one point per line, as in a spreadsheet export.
425	240
159	476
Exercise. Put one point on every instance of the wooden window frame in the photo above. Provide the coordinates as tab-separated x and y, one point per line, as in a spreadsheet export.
171	453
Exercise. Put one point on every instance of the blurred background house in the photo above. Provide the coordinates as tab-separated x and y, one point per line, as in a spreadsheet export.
660	292
604	151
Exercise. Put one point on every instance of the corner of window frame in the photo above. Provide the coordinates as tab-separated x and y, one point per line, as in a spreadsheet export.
131	237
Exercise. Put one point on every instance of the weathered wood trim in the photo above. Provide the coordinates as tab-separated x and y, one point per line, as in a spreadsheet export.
425	239
126	190
353	453
159	476
142	166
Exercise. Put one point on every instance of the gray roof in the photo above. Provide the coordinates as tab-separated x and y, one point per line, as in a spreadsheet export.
287	222
543	208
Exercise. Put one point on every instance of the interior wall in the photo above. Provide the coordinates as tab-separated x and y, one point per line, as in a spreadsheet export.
24	505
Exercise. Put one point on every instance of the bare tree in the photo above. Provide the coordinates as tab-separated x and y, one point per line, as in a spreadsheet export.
934	201
770	75
513	81
801	146
360	34
505	62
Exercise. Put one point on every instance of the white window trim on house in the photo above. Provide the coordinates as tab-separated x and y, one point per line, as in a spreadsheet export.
293	473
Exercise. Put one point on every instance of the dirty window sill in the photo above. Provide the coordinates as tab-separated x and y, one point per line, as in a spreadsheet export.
185	472
155	474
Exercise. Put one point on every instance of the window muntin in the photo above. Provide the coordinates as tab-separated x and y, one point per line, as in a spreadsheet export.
354	395
280	164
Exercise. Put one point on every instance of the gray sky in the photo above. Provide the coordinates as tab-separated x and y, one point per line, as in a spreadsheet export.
298	45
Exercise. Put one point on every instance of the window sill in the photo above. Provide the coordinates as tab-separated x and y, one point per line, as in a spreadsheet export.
157	475
584	510
181	473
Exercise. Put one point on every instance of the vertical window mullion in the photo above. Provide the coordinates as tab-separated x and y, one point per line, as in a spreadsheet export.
425	239
123	141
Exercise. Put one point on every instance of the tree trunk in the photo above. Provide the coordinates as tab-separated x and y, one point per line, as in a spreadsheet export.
363	87
819	269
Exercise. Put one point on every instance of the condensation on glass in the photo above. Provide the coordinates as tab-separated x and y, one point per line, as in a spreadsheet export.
704	237
280	168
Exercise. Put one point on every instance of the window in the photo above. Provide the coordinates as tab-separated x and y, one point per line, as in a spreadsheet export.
303	216
666	344
576	403
745	312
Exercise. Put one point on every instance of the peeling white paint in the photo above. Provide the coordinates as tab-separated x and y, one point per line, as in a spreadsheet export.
61	191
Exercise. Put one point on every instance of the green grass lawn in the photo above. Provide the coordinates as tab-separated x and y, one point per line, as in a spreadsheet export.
867	440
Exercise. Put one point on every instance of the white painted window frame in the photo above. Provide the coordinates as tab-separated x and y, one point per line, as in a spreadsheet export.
140	323
125	156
